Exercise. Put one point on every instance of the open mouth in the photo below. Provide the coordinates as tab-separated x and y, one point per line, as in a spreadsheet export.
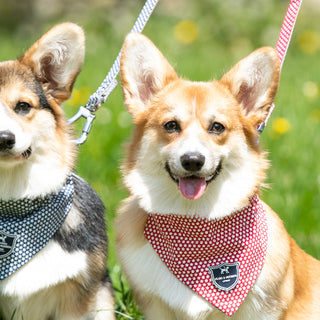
192	187
7	156
26	154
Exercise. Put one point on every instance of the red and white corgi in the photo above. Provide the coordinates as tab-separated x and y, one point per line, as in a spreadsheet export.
52	233
193	238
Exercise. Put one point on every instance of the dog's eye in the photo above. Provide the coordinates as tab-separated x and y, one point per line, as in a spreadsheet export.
216	128
22	108
172	126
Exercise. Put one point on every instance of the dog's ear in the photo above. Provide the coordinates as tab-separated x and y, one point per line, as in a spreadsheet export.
144	72
56	59
254	82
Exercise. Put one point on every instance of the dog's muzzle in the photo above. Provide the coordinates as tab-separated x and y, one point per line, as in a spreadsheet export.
7	143
193	184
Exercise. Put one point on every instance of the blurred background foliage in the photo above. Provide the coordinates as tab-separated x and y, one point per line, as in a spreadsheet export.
202	40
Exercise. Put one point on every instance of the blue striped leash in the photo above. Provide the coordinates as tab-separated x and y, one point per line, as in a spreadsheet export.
109	83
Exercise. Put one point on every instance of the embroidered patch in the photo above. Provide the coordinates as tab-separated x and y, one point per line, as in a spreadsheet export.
7	244
190	245
225	276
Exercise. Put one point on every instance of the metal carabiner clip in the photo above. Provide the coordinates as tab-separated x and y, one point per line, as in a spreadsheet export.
89	116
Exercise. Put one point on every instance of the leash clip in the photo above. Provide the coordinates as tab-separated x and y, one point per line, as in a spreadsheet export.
89	116
261	127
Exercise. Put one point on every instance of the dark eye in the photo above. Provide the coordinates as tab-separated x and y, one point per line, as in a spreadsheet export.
172	126
216	128
22	108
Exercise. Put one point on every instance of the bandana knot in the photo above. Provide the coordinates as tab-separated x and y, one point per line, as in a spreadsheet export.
218	259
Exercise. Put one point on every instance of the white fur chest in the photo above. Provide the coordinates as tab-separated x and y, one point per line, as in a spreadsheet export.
52	265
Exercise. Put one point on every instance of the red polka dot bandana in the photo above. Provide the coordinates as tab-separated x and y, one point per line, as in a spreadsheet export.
218	259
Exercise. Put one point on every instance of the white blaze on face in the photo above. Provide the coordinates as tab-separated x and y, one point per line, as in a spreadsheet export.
8	123
191	162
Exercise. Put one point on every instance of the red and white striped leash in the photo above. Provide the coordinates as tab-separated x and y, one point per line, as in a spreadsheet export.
283	42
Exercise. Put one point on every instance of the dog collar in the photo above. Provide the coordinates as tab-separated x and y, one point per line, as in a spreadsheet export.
26	226
219	259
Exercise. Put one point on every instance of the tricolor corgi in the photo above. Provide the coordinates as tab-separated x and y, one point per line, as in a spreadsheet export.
193	238
52	232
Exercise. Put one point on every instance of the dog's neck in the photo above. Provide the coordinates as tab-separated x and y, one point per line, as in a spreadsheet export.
31	180
26	206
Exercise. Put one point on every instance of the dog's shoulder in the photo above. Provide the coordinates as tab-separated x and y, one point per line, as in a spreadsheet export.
86	198
84	227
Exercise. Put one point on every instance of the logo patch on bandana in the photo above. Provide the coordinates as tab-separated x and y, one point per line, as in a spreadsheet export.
7	243
225	276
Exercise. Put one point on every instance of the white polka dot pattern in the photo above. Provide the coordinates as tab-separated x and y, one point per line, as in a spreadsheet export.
189	246
27	225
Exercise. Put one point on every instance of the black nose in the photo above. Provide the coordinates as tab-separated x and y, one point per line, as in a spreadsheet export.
7	140
192	161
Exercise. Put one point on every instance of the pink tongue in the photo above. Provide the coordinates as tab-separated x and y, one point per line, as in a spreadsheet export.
192	188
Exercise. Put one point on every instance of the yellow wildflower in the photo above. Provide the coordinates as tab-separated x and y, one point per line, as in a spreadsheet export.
309	42
310	89
186	31
281	126
79	97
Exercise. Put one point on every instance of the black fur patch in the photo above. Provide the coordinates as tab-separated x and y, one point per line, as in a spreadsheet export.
44	104
90	235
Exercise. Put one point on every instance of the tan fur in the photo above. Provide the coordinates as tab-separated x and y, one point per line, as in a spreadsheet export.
50	63
288	286
67	279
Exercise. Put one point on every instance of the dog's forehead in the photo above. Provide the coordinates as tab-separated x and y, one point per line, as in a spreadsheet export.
18	82
207	98
15	73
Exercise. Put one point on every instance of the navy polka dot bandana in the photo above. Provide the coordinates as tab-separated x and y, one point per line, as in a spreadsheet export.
26	226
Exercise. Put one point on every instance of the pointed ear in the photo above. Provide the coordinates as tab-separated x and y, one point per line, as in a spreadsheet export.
56	59
254	82
144	72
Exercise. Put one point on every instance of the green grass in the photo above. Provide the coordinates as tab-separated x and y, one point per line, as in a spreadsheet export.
227	31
